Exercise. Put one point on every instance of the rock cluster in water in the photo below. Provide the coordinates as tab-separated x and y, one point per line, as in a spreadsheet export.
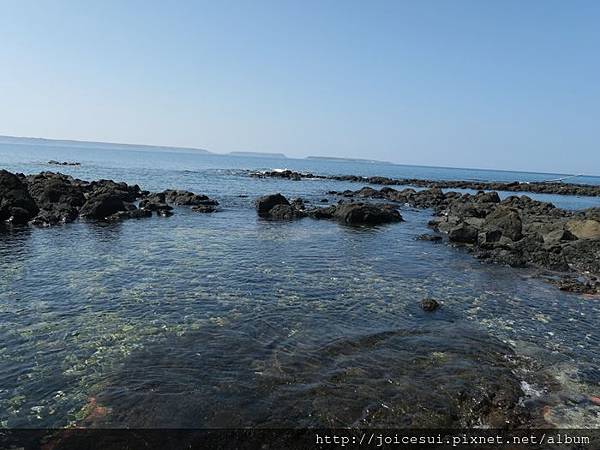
277	207
51	198
516	231
53	162
542	187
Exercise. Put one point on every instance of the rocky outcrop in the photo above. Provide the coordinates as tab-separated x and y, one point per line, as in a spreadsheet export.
101	204
187	198
543	187
584	228
16	205
517	231
287	174
53	162
51	198
358	213
265	204
276	206
57	196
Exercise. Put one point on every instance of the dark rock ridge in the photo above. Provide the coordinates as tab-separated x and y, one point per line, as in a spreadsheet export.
517	231
277	207
50	198
550	187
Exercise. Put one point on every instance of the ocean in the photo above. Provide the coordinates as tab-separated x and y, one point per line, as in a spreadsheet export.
229	320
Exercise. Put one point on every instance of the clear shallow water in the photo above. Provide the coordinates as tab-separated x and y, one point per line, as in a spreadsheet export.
226	320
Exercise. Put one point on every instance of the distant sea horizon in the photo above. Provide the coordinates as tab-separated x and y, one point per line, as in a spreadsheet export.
24	140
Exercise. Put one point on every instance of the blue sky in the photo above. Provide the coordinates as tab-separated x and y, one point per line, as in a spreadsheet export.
504	84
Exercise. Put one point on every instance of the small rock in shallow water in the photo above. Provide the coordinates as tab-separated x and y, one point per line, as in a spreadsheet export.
429	237
204	208
595	400
429	304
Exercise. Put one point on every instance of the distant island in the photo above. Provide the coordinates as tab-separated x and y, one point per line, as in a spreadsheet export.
258	154
17	140
334	158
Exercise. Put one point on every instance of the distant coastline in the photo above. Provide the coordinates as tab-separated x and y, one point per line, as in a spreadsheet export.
18	140
23	140
259	154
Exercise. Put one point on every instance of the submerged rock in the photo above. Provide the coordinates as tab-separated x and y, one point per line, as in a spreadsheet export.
429	237
429	304
438	376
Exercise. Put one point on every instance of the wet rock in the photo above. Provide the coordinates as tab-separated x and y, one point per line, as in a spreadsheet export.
298	203
16	204
517	231
429	304
505	220
287	174
285	212
266	203
557	236
129	214
324	200
57	196
204	208
52	162
487	197
102	205
463	234
187	198
429	237
121	190
578	285
358	213
155	202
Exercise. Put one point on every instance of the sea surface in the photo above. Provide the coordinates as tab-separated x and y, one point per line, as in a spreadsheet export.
225	319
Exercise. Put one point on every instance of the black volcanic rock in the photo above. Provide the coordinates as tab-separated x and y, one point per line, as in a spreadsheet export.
366	214
57	196
429	304
101	205
429	237
517	231
16	204
266	203
187	198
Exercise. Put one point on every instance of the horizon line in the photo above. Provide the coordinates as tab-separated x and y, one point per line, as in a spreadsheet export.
309	157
